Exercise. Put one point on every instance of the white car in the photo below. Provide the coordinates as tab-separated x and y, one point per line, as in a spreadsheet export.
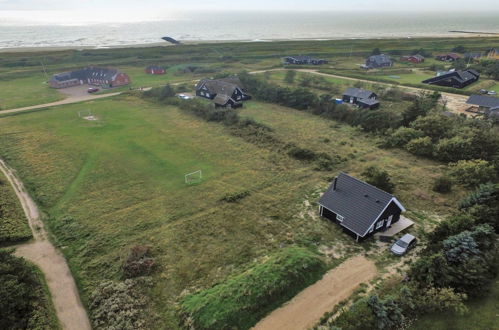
404	244
492	93
184	97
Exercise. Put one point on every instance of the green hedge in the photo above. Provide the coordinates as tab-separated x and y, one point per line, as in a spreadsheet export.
242	300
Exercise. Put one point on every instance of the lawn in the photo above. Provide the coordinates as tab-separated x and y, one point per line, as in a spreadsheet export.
483	314
26	91
13	223
121	181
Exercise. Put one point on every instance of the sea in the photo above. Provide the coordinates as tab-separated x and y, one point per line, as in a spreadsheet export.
246	26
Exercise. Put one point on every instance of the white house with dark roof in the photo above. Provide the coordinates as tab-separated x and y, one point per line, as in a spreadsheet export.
358	207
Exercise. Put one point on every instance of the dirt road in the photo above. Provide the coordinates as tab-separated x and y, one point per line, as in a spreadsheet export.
62	287
306	309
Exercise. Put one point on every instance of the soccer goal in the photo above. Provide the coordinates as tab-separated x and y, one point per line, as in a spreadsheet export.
84	113
194	177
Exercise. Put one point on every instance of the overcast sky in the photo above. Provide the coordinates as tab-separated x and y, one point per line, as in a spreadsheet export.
136	10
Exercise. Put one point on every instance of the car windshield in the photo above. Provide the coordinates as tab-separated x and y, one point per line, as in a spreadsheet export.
402	244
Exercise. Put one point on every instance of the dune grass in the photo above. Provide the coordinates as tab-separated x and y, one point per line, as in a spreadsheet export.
13	223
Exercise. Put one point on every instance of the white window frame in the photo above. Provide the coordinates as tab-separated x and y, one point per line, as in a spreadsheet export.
340	218
380	224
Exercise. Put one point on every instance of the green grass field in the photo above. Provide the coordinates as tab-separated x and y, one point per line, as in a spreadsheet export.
26	91
121	179
482	314
13	223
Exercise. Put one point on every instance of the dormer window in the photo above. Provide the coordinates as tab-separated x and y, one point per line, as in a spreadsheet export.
340	218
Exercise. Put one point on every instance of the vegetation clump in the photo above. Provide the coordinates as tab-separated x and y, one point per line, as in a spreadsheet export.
442	184
378	178
120	305
138	262
13	223
241	300
235	197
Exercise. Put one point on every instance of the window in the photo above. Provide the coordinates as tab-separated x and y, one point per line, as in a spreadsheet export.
340	218
379	224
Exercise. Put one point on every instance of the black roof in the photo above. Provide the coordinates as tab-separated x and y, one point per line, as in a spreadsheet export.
460	76
368	101
86	73
483	101
382	58
357	201
358	93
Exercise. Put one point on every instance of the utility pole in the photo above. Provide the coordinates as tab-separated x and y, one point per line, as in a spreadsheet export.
44	70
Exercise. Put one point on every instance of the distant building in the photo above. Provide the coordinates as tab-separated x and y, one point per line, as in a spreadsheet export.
486	104
472	56
225	92
95	76
303	60
449	57
358	207
378	61
413	59
361	97
493	54
456	79
154	69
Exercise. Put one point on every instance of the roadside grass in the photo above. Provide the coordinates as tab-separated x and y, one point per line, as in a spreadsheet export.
482	314
26	91
13	223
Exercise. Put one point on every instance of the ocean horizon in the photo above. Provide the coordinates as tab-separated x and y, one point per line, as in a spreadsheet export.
244	26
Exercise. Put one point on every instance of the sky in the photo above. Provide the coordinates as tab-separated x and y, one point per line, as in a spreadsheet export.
139	10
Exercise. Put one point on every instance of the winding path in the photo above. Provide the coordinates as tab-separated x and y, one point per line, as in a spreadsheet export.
305	310
62	287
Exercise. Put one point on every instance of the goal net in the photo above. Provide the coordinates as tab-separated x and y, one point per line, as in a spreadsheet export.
194	177
84	113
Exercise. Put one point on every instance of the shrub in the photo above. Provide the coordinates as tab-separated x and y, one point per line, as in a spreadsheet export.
119	305
378	178
442	184
358	317
402	136
472	173
138	262
241	300
235	197
302	153
422	146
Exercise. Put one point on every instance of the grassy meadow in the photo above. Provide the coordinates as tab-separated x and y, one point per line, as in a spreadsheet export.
13	223
119	181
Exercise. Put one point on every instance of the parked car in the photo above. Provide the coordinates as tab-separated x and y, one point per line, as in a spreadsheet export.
184	97
92	90
483	91
492	93
403	245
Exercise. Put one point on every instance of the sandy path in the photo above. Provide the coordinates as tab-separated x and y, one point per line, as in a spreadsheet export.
306	309
68	306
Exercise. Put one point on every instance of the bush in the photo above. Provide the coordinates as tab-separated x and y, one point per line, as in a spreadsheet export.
235	197
402	136
302	153
242	300
138	262
378	178
422	146
358	317
442	185
472	173
120	305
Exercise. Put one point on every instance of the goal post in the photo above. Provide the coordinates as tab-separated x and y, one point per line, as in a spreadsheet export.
84	113
194	177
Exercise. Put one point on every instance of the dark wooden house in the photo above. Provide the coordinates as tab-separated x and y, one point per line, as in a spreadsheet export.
449	57
303	60
487	105
225	92
378	61
413	59
361	97
360	208
455	78
95	76
155	69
